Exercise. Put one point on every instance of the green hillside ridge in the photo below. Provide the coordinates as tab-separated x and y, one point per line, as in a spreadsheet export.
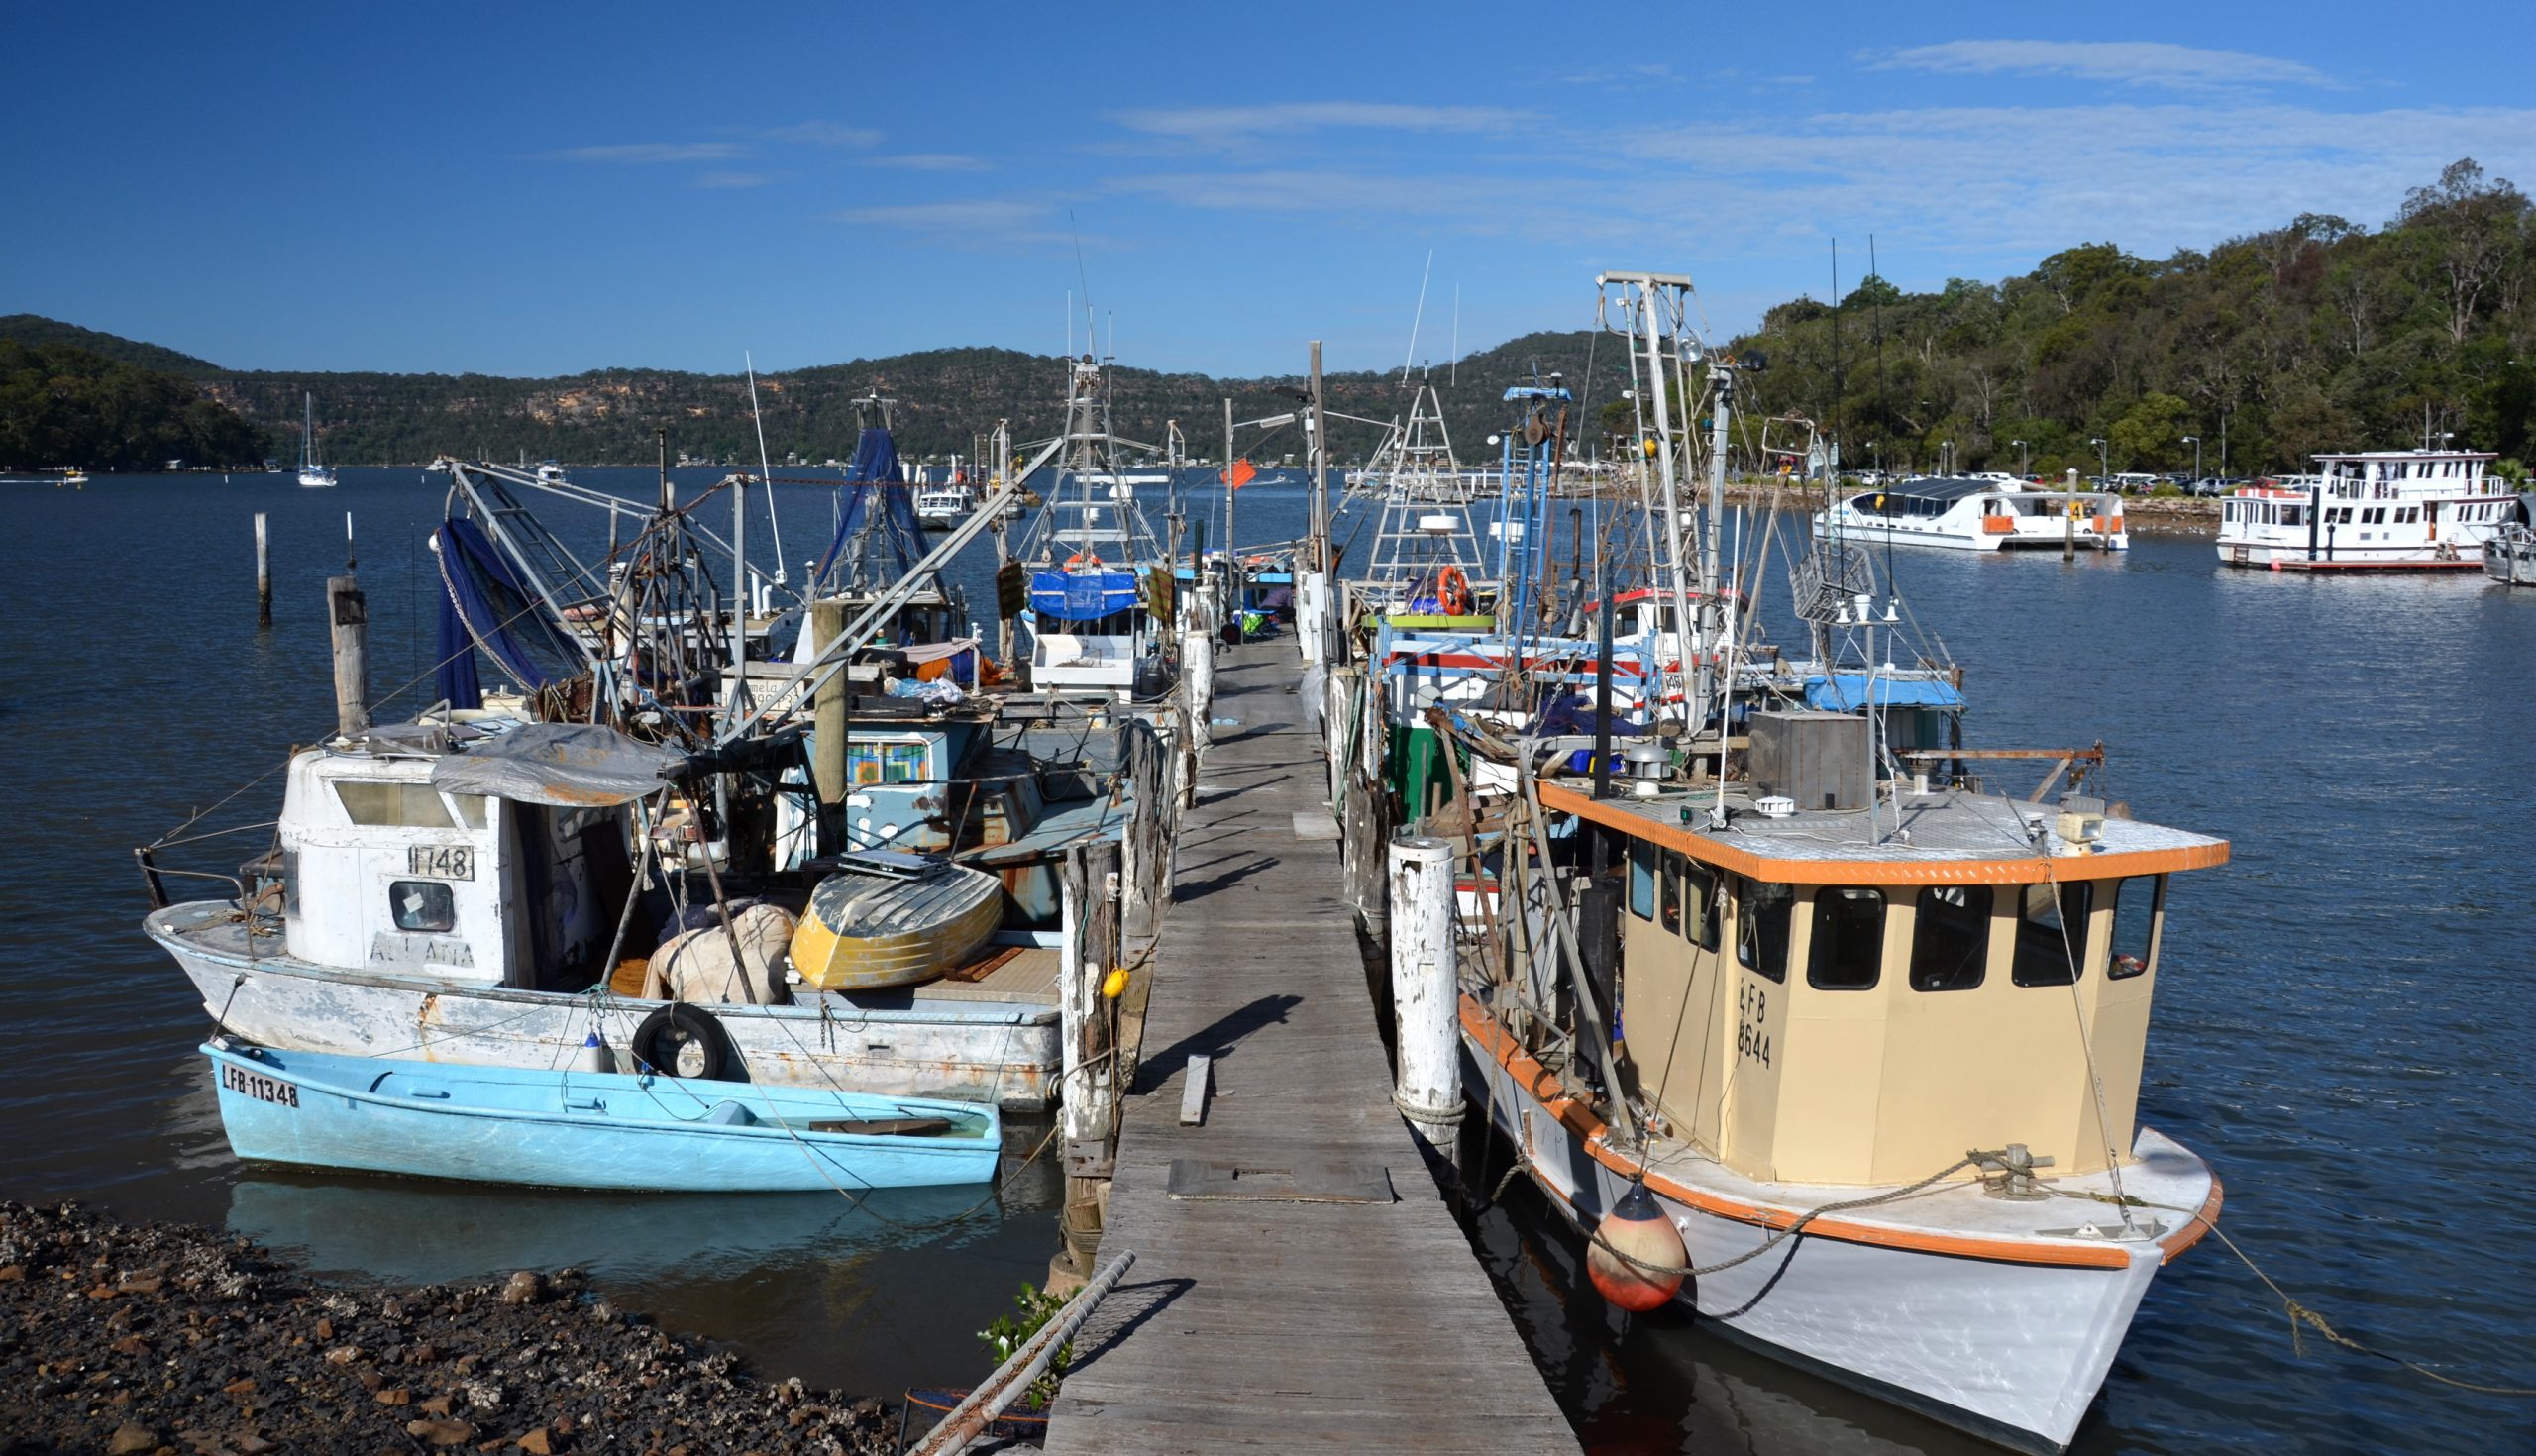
2318	335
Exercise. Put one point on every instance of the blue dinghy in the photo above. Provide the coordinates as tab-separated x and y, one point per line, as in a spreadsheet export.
590	1129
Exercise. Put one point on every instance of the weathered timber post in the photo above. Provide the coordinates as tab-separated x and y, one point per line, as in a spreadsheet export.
263	575
349	613
1088	1118
1198	673
2070	521
1425	991
1141	857
828	730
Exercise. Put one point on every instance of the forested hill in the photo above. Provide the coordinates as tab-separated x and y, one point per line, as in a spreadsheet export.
946	399
2322	333
2319	335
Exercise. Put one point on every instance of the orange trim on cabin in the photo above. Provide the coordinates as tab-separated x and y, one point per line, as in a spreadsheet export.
1580	1119
2028	869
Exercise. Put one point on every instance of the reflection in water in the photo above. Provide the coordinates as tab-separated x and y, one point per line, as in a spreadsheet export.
872	1295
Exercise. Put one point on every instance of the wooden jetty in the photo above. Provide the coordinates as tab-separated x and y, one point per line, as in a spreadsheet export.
1298	1281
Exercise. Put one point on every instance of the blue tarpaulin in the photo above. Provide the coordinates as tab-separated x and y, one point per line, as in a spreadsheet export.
1079	596
1843	693
501	612
879	539
454	679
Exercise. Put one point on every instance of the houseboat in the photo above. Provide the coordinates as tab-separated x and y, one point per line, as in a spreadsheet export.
1969	513
2374	510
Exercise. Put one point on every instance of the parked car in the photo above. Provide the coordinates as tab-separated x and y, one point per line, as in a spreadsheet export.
2209	485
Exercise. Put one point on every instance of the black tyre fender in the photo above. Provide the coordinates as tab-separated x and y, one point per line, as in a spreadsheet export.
679	1034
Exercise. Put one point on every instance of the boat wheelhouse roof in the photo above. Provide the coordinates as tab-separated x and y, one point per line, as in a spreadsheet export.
1947	837
2416	454
1940	487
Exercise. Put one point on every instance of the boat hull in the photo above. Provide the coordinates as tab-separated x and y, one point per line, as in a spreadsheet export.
864	932
587	1131
1002	1053
2012	1352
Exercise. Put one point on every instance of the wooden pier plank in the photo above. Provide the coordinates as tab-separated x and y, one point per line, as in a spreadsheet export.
1283	1325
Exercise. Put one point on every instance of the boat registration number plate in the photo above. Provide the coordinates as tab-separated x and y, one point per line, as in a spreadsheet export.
440	861
263	1089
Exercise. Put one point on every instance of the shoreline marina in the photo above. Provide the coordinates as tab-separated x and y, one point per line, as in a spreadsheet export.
1995	694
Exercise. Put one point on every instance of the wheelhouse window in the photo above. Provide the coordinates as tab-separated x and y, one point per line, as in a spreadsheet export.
1847	947
422	904
2051	934
1951	937
1762	913
2139	914
1668	891
373	804
1642	880
1699	904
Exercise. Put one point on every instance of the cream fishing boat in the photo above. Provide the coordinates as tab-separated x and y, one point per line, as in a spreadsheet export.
1823	1037
1923	1012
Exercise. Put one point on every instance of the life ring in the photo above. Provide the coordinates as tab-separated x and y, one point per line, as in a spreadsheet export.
684	1042
1453	593
1079	558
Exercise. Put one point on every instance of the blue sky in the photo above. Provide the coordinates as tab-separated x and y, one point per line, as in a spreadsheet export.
540	188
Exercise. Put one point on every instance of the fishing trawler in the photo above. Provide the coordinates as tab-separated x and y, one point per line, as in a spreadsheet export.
2423	511
1099	581
1807	1025
514	874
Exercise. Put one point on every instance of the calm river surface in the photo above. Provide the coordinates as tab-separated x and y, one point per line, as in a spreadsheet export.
2343	1027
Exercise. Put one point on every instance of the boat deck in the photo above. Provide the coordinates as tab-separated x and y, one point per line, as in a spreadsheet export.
1358	1323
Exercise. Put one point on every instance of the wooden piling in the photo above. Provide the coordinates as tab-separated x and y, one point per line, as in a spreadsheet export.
829	727
263	575
349	613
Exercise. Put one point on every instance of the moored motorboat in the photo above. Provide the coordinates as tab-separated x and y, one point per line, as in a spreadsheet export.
570	1129
2425	510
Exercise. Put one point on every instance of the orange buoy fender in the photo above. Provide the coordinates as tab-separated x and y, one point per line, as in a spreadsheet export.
1638	1227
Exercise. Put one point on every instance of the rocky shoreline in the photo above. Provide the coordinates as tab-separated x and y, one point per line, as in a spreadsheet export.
167	1338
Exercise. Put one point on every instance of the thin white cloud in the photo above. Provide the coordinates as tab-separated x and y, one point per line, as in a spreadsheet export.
732	179
827	133
649	153
932	162
1225	125
2130	62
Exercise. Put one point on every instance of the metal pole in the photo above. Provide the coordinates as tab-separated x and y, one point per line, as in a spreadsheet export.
264	575
1426	990
739	691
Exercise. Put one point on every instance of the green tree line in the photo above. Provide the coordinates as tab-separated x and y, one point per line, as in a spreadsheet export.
62	405
2320	335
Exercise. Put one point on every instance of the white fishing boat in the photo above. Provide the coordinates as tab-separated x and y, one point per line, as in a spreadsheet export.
551	472
312	475
941	507
463	897
2381	510
1972	513
1093	559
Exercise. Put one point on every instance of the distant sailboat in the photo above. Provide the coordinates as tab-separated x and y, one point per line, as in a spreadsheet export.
311	475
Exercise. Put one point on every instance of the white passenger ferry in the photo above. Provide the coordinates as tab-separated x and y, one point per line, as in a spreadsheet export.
1971	513
2377	510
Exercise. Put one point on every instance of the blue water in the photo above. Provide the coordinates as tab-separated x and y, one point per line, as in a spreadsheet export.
2341	1026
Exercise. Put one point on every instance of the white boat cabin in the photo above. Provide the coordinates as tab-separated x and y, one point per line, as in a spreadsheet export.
2408	509
385	872
1970	513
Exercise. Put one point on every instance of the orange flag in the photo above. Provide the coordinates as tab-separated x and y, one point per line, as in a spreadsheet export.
1241	473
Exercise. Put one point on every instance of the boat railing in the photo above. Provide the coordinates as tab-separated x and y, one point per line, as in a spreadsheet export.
152	874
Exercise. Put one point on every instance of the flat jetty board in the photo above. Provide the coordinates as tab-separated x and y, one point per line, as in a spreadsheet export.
1280	1324
1193	1091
